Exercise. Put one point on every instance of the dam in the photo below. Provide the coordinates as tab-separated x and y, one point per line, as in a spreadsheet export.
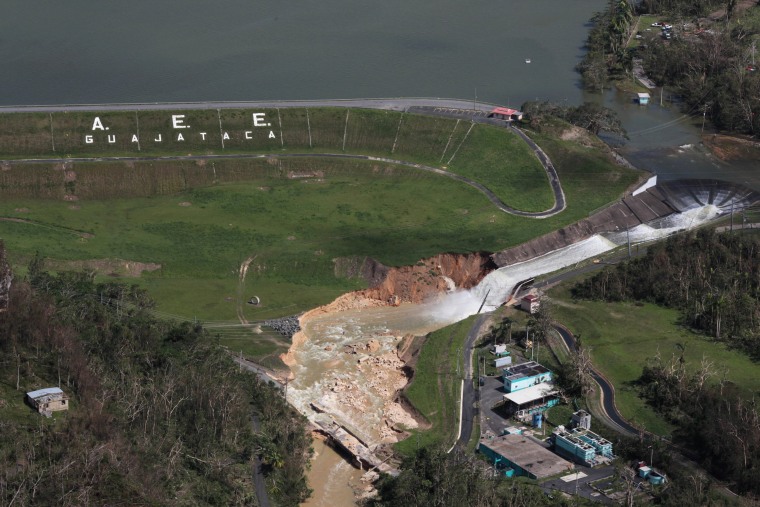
347	372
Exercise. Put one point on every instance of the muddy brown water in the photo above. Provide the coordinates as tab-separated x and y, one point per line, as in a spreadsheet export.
332	479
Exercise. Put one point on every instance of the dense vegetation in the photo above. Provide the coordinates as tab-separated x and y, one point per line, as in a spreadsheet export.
718	426
591	116
433	477
707	63
607	53
159	414
712	74
713	279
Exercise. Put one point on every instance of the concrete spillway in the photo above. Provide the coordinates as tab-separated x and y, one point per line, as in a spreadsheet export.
648	207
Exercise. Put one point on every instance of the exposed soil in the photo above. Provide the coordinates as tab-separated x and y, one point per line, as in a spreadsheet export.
732	148
185	204
388	372
577	134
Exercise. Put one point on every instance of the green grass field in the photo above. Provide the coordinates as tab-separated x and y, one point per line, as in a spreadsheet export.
492	156
294	216
435	388
623	335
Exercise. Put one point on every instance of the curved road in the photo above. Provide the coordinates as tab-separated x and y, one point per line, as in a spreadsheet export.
607	390
453	108
481	188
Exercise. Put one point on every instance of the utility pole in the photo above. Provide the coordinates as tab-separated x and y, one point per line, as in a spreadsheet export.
704	114
732	217
628	232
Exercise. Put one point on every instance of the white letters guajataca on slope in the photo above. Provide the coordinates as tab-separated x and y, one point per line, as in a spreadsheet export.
181	132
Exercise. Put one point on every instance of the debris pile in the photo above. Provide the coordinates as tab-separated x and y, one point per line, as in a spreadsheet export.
286	326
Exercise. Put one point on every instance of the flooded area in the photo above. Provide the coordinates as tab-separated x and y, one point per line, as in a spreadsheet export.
668	141
332	478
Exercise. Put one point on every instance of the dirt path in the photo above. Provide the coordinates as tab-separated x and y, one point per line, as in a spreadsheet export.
242	272
81	234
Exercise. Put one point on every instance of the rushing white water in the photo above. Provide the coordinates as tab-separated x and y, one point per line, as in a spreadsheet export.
334	366
663	227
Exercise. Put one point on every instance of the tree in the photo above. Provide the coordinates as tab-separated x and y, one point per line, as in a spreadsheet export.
574	377
596	118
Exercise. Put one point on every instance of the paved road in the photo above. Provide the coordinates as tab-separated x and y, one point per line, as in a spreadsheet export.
607	390
501	205
469	393
265	375
453	108
393	104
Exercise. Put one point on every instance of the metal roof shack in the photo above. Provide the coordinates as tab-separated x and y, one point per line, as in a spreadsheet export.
48	400
505	113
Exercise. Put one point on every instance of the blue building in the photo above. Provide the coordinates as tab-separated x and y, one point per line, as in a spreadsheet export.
529	388
521	376
581	445
517	455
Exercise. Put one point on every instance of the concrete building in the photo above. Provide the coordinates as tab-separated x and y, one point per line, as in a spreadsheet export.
499	350
506	113
502	361
581	445
531	400
517	455
643	98
530	304
48	400
581	419
524	375
529	388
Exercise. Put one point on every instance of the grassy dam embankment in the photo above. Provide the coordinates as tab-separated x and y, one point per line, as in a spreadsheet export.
201	219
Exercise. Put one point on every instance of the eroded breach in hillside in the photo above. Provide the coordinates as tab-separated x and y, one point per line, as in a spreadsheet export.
348	360
346	365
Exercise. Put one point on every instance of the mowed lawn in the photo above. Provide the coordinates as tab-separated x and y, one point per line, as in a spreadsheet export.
622	336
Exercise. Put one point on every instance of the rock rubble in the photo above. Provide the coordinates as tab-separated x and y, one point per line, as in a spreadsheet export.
286	326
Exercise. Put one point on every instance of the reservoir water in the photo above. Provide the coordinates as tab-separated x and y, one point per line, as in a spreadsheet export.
80	51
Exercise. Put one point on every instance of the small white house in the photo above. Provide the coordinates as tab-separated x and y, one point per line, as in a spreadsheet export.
499	350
